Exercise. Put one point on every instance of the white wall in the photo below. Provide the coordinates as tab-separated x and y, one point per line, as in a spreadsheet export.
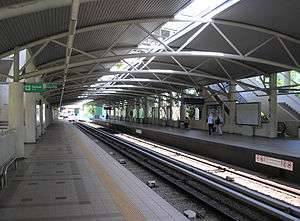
3	102
7	146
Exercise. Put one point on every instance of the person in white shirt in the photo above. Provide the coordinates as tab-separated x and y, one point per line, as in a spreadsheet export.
210	123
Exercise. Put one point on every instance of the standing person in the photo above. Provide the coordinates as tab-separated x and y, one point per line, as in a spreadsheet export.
219	123
186	122
210	123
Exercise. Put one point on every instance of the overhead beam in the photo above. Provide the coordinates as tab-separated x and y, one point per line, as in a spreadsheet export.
256	28
112	86
87	29
123	80
72	30
84	54
33	57
31	7
6	75
206	54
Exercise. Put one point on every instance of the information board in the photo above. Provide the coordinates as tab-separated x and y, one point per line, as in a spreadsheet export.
274	162
193	100
39	87
248	114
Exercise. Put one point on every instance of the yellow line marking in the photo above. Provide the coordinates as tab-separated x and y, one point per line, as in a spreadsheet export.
128	209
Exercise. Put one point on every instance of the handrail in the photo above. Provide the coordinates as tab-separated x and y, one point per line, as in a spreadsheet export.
12	159
6	132
4	169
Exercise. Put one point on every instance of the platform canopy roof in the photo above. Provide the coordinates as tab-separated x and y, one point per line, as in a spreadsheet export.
75	42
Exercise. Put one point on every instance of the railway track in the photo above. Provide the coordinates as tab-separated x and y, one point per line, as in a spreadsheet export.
229	198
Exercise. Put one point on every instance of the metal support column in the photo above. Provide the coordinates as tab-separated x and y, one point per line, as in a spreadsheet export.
273	105
146	109
159	107
232	107
171	104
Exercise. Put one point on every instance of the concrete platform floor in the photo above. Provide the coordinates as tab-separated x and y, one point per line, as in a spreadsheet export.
66	176
280	146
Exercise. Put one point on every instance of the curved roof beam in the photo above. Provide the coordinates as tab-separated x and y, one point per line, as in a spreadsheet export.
256	28
127	90
147	81
150	72
172	72
131	92
31	7
250	67
144	80
97	75
114	94
207	54
87	29
88	54
113	86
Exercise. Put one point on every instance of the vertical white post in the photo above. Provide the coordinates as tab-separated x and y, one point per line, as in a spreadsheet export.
182	111
30	117
16	108
146	109
232	107
159	106
30	108
42	117
16	114
273	105
171	104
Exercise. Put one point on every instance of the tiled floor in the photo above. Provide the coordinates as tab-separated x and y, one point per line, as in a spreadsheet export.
66	176
283	147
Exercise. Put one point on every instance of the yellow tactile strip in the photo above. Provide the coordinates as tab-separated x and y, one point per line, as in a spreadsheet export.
127	208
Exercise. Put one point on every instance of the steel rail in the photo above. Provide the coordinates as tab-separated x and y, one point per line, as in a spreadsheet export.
192	157
265	204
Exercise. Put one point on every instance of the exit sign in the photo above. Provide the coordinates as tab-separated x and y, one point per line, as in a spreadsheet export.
39	87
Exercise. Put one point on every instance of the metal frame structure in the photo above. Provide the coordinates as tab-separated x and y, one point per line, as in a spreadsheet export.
194	75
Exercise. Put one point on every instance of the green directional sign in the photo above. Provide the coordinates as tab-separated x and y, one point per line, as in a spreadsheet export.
39	87
50	86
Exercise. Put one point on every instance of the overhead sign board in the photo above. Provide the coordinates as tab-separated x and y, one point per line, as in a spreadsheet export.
39	87
108	108
193	100
274	162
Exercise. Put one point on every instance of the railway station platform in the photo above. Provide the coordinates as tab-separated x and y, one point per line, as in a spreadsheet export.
278	158
67	176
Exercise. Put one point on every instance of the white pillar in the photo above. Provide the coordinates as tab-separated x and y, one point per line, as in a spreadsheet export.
273	105
30	117
39	125
125	109
42	117
159	106
30	112
30	107
47	115
146	109
16	114
171	104
182	111
134	110
232	108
